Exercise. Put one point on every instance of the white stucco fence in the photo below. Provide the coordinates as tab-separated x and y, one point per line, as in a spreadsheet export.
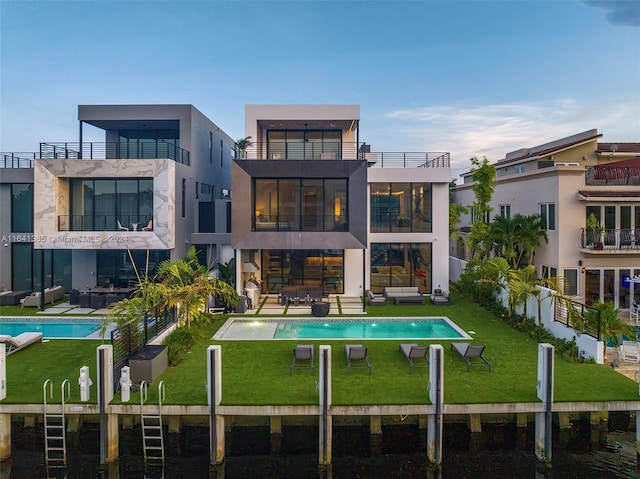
587	345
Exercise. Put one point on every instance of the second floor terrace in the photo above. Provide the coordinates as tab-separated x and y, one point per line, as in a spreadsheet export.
612	175
339	150
130	149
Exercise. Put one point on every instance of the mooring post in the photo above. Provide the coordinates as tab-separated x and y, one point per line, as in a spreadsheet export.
214	395
324	390
436	396
544	391
108	422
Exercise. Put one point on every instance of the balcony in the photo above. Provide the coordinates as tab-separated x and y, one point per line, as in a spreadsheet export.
310	150
17	160
301	222
618	241
105	223
612	175
115	150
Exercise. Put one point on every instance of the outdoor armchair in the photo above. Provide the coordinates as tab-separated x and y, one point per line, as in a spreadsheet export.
630	351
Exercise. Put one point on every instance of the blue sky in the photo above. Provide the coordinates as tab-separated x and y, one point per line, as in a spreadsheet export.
469	77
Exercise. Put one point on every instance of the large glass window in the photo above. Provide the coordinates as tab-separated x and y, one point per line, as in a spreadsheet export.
548	214
319	268
304	145
400	264
401	207
22	208
109	204
149	143
115	267
300	204
26	271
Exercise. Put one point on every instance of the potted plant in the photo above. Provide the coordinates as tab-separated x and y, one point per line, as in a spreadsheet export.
242	145
594	232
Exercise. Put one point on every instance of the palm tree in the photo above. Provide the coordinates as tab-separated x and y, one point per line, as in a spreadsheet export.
505	236
612	328
243	144
532	232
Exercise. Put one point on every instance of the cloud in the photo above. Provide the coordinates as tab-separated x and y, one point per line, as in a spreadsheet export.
620	12
467	130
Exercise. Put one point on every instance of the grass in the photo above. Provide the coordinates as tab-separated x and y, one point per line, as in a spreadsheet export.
257	372
18	310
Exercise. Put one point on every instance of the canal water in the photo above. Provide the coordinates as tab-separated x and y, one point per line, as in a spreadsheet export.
500	451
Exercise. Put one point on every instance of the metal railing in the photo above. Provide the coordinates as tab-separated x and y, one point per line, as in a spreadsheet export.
310	150
590	316
115	150
612	175
17	160
611	239
105	223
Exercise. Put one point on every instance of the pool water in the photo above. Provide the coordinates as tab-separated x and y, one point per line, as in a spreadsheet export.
52	328
435	328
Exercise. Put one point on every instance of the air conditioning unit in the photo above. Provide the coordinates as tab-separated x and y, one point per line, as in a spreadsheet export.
567	164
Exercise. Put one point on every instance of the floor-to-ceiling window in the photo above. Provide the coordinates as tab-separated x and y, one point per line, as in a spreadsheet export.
401	207
149	143
115	267
324	268
304	144
401	264
300	204
109	204
27	272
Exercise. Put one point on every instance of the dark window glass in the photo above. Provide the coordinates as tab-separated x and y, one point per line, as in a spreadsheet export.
22	208
401	207
115	267
184	197
400	264
206	217
312	268
21	266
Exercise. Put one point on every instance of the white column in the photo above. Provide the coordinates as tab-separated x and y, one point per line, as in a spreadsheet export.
544	391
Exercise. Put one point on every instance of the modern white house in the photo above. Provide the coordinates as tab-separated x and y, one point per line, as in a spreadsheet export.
315	206
566	181
159	182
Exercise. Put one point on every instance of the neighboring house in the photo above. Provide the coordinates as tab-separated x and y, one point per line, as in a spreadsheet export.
159	182
314	206
566	181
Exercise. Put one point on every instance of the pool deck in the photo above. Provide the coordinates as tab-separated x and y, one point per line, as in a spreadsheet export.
268	305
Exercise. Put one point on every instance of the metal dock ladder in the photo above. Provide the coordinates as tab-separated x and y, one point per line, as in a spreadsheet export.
152	436
55	444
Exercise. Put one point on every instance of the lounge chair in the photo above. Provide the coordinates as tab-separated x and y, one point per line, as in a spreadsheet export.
16	343
149	226
356	353
302	353
415	354
470	352
122	228
630	351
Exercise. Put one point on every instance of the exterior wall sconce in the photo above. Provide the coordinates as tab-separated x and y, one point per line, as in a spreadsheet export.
583	270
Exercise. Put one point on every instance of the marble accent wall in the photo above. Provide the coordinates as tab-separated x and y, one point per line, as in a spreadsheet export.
51	199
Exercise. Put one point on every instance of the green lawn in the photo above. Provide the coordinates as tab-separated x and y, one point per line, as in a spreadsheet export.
257	372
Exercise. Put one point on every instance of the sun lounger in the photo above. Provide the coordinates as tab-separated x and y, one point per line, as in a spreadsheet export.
630	351
302	357
415	354
471	352
356	353
21	341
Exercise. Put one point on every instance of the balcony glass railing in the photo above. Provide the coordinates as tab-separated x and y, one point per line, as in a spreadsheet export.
309	150
301	223
625	239
115	150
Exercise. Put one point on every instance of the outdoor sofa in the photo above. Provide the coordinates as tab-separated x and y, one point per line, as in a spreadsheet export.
376	300
404	294
51	295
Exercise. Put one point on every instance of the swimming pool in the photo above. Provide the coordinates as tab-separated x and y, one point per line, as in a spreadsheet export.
432	328
52	327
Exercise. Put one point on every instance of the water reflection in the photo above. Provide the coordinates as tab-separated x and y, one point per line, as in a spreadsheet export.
501	451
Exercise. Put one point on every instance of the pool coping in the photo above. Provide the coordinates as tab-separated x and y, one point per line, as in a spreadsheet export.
219	335
95	334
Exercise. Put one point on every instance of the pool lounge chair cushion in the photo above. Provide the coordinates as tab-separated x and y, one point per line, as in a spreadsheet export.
356	357
16	343
303	355
415	354
470	353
